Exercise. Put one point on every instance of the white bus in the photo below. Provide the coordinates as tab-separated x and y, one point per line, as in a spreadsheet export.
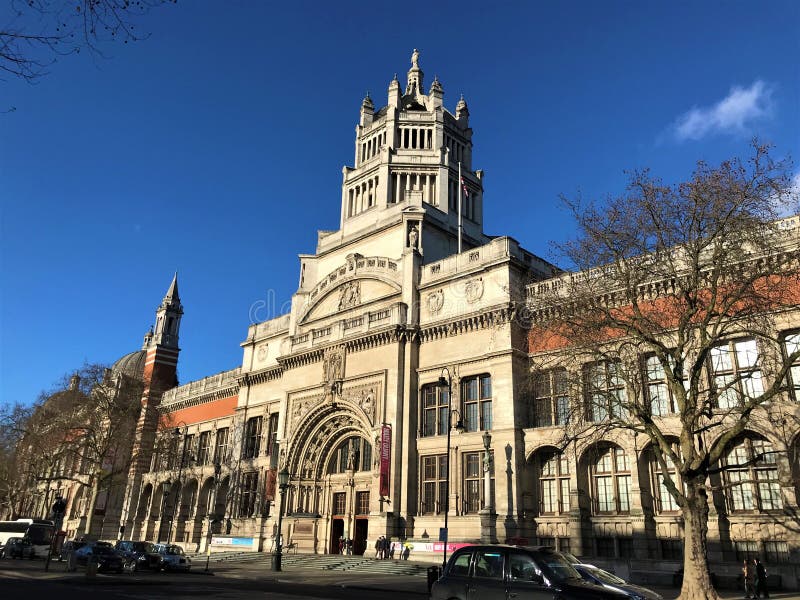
38	531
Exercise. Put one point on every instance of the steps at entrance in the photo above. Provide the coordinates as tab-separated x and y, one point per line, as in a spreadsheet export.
325	562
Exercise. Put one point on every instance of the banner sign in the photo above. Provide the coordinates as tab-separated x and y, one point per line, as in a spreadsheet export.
269	492
386	455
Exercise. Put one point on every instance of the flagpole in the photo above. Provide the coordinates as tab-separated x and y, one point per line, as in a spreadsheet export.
460	190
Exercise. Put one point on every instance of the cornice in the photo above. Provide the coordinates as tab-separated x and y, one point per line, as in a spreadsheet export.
219	394
484	319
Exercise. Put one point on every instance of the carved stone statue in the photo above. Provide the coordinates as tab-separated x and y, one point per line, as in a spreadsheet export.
413	237
415	59
349	295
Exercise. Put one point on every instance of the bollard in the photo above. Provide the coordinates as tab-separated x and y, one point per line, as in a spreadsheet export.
91	568
71	563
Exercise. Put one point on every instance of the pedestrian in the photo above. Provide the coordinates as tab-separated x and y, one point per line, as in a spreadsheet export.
761	580
349	544
391	550
378	547
748	574
341	544
406	551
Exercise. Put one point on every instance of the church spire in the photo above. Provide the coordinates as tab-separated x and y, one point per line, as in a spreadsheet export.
168	317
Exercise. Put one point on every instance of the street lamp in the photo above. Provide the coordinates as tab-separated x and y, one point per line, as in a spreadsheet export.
446	383
283	483
487	480
165	488
212	507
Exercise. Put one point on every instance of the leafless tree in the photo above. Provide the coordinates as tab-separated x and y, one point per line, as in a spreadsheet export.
666	278
41	30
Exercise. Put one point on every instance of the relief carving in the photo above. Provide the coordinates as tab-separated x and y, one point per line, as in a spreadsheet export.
435	301
474	290
332	366
262	352
349	295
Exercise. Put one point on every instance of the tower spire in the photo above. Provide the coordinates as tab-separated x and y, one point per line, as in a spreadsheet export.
172	296
168	317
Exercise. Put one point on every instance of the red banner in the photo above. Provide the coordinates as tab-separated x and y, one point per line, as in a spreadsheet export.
386	455
269	492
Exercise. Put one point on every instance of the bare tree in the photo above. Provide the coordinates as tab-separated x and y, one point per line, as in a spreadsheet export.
41	30
16	483
81	433
668	278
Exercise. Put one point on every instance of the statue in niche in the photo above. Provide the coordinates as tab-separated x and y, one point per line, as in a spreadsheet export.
352	454
333	366
368	403
413	237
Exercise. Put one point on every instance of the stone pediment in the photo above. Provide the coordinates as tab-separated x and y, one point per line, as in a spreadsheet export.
359	281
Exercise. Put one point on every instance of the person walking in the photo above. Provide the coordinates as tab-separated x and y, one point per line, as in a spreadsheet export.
761	580
379	548
748	573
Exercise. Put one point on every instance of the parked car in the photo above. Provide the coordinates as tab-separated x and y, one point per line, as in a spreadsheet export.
498	572
107	558
173	557
18	547
612	582
69	547
139	555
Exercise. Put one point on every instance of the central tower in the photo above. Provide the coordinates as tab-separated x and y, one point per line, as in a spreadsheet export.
408	155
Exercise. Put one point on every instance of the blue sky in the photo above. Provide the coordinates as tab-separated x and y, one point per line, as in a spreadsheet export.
215	146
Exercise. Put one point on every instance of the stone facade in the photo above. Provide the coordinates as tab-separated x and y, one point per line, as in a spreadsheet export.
404	295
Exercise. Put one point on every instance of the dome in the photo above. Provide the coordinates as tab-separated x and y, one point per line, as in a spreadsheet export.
131	364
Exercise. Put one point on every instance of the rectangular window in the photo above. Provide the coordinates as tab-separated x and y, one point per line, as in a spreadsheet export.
563	545
339	503
247	500
605	391
551	403
736	373
547	541
272	434
476	402
776	552
221	445
187	455
362	503
744	550
791	344
434	474
605	547
657	390
435	406
474	494
252	437
204	448
625	547
671	549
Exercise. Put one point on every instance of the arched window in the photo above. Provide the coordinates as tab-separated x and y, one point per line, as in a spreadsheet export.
553	483
751	474
791	344
611	481
353	453
665	502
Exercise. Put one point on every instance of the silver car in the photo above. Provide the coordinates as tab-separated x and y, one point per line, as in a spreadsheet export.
610	581
173	557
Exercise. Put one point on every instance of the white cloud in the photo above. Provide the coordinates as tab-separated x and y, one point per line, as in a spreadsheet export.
734	114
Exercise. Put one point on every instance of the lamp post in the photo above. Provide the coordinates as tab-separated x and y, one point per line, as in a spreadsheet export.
446	383
212	507
283	483
165	488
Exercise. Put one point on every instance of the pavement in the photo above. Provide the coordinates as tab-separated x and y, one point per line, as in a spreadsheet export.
247	575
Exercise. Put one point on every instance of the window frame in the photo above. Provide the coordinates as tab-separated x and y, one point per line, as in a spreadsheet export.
438	412
793	374
612	385
433	470
481	419
737	375
758	476
473	502
614	476
558	477
555	394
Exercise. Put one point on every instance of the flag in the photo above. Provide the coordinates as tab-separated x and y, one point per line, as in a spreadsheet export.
464	187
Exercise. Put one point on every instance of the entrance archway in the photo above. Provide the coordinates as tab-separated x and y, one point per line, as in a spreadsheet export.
337	533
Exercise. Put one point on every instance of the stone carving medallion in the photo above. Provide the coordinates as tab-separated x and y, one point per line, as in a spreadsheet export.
474	290
435	301
262	352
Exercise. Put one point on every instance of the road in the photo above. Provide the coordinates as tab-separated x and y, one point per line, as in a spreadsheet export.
27	580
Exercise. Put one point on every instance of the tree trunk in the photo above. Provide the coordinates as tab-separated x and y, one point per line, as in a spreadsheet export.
87	529
696	578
